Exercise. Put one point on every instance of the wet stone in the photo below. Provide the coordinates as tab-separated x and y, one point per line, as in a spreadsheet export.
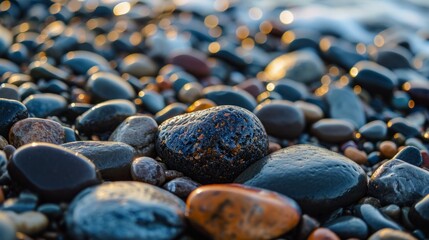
333	130
7	227
170	111
388	149
147	170
289	89
312	112
209	206
139	132
105	117
392	210
391	234
410	155
81	61
225	95
403	126
212	145
151	101
375	130
305	227
419	214
135	210
323	234
39	69
418	91
348	227
53	172
193	62
190	92
172	174
398	182
344	104
286	171
253	86
374	218
9	91
394	58
45	104
281	119
106	86
181	186
36	130
138	65
11	111
111	159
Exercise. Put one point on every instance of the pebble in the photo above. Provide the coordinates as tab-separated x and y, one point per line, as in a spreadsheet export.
213	145
347	227
9	91
30	223
374	130
344	104
388	149
323	234
139	132
285	171
418	91
281	119
193	62
107	86
181	186
333	130
392	210
138	65
410	155
11	111
45	104
374	218
250	213
419	214
125	210
170	111
398	182
151	101
356	155
7	227
305	227
190	92
81	61
147	170
111	159
403	126
312	112
200	104
172	174
225	95
68	172
36	130
289	90
391	234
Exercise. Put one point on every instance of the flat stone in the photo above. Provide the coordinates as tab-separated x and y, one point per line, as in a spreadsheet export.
225	95
410	155
238	212
107	86
45	104
213	145
344	104
374	130
333	130
348	227
36	130
318	179
11	111
374	218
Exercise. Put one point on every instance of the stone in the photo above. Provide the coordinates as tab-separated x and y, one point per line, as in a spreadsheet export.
335	181
125	210
403	126
105	116
81	61
303	66
392	210
410	155
107	86
345	104
200	104
213	145
7	227
11	111
139	132
388	149
333	130
391	234
45	104
374	130
172	174
238	212
398	182
312	112
225	95
374	218
193	62
281	119
151	101
323	234
190	92
147	170
419	214
9	91
170	111
53	172
138	65
356	155
289	90
418	91
30	223
111	159
348	227
181	186
36	130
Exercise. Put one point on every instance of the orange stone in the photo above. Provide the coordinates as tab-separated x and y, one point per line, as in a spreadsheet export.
200	105
356	155
323	234
388	149
233	211
2	197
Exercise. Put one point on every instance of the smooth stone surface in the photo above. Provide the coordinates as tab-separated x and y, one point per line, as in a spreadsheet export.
138	65
7	227
225	95
139	132
45	104
181	186
281	119
391	234
374	130
112	159
36	130
30	223
289	89
147	170
356	155
335	181
107	86
344	104
105	116
398	182
213	145
374	218
403	126
348	227
170	111
237	212
388	149
312	112
193	62
303	66
125	211
81	61
410	155
333	130
11	111
419	214
53	172
419	92
190	92
9	91
323	234
151	101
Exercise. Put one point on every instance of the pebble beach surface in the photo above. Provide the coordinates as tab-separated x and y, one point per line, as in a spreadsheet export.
191	120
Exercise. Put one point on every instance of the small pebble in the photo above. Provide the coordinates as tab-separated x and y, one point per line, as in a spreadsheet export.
147	170
356	155
388	149
323	234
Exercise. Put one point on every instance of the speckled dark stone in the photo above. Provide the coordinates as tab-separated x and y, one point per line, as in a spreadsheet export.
213	145
36	130
11	111
318	179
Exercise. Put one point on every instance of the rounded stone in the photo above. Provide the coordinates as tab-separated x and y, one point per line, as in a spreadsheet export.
45	104
391	234
323	234
125	211
138	65
333	130
348	227
375	130
200	104
225	95
410	155
281	119
312	112
356	155
11	111
30	223
81	61
345	104
190	92
181	186
388	149
419	213
374	218
7	227
238	212
139	132
36	130
53	172
147	170
213	145
193	62
106	86
318	179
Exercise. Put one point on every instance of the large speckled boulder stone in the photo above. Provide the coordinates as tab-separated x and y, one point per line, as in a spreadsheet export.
213	145
318	179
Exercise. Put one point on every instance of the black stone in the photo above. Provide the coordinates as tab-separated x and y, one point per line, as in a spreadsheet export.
348	227
44	105
213	145
170	111
181	186
225	95
403	126
374	218
375	130
290	90
344	104
419	214
11	111
318	179
410	155
81	61
151	101
41	69
106	86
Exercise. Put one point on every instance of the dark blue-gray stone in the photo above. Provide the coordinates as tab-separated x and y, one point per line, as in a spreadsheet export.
106	86
344	104
11	111
225	95
45	104
374	218
318	179
410	155
348	227
375	130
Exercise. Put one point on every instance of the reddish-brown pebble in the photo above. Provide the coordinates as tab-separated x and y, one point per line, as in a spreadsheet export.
193	62
272	147
232	211
36	130
425	157
359	157
323	234
200	105
2	197
388	149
